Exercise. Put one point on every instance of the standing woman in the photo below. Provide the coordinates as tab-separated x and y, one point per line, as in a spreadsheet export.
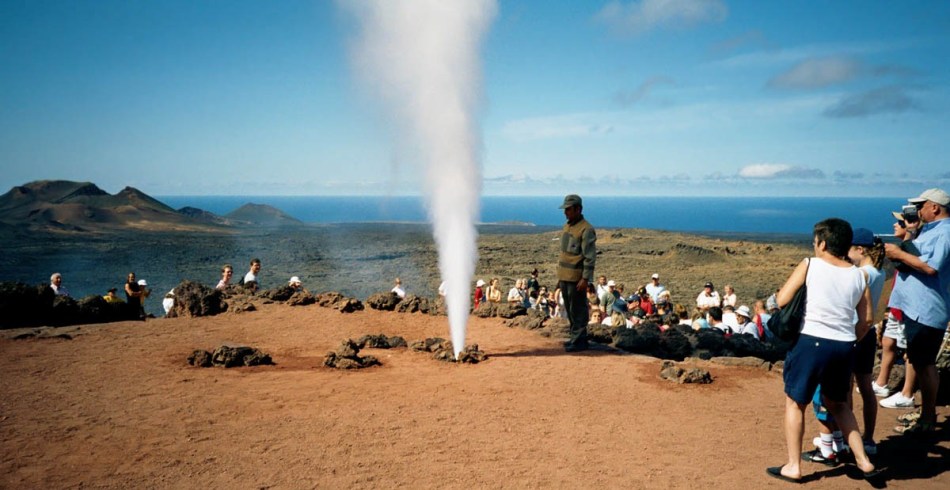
824	351
133	294
867	253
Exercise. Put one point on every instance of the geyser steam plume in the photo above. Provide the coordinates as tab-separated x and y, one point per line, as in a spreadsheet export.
421	57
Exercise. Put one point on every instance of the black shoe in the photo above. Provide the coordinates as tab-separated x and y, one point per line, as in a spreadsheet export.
816	457
575	347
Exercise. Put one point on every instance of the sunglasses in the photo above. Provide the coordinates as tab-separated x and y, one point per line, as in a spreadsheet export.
919	205
901	223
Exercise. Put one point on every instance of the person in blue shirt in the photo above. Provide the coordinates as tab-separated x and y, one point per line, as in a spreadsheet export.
922	293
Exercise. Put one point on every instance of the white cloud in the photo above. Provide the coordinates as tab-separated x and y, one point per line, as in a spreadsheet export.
818	72
645	15
779	171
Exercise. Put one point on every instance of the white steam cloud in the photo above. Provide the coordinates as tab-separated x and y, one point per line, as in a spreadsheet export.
421	57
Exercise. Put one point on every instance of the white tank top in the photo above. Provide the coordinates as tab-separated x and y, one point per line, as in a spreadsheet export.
833	295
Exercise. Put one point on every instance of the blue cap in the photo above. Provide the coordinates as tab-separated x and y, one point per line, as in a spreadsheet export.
863	237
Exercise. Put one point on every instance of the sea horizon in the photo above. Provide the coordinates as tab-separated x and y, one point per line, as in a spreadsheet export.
707	215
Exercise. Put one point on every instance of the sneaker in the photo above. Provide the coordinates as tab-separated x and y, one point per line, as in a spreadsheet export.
908	418
834	447
880	391
816	457
897	400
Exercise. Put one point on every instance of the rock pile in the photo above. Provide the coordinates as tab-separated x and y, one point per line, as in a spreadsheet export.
22	305
338	302
230	356
441	349
671	372
347	357
380	341
194	299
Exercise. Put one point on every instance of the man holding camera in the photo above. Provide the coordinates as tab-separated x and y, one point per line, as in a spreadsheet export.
922	292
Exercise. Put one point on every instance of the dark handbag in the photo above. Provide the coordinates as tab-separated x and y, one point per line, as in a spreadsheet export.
787	323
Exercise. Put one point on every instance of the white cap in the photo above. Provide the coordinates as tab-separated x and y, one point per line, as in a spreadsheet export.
142	282
611	283
655	276
294	279
479	283
934	195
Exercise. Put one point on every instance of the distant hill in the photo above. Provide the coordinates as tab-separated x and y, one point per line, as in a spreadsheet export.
262	215
60	205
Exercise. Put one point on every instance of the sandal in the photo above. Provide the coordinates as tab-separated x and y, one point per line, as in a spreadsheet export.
916	428
908	418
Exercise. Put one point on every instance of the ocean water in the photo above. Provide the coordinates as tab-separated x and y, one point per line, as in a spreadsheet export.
716	215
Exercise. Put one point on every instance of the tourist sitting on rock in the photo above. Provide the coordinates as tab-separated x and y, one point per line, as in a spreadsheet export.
494	291
516	294
714	317
146	292
56	284
729	296
729	317
608	297
708	298
226	272
593	302
111	297
544	301
251	281
295	284
399	291
168	302
479	295
682	315
699	320
596	317
745	325
646	301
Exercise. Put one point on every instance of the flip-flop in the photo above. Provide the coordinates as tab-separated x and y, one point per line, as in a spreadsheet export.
816	457
776	472
870	475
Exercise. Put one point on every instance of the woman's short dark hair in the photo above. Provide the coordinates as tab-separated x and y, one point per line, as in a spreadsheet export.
837	235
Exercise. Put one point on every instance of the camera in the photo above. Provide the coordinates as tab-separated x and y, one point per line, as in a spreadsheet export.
909	213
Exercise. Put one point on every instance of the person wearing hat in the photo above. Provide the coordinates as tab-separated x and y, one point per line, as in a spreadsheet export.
922	293
708	298
146	292
479	292
655	288
575	271
745	323
295	283
609	296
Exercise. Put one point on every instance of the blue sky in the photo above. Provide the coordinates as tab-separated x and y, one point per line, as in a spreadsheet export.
652	97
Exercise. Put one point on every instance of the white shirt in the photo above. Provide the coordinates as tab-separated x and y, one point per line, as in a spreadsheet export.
399	291
515	295
833	295
704	301
729	299
250	277
654	291
732	320
750	328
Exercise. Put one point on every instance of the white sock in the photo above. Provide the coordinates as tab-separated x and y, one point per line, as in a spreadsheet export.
826	441
838	438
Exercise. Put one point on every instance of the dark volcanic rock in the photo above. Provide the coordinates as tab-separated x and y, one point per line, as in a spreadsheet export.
412	304
383	301
229	356
506	310
526	322
557	328
600	333
301	298
194	299
339	302
670	371
380	341
347	357
282	293
639	340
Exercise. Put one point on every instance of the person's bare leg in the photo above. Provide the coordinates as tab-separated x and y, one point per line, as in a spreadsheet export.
849	427
870	403
888	357
929	381
794	431
910	379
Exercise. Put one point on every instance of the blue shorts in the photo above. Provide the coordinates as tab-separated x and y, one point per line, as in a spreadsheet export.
923	343
813	361
865	354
